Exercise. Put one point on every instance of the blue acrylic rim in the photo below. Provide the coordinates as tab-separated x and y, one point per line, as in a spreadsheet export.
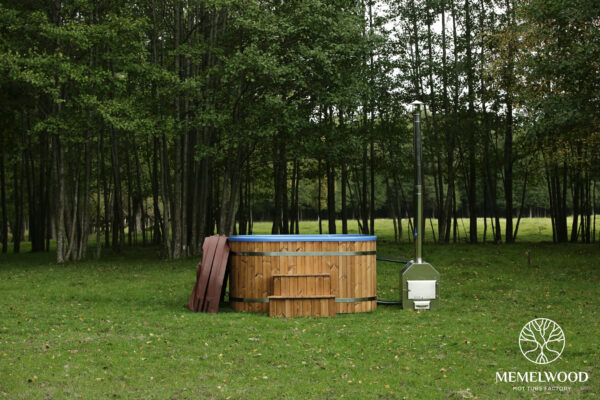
302	238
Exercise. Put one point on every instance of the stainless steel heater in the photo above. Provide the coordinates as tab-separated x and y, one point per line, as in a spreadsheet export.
419	281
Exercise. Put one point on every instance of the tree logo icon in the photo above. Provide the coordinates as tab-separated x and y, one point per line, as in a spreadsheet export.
542	341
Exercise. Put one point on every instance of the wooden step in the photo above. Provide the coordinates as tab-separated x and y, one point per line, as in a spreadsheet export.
301	285
301	306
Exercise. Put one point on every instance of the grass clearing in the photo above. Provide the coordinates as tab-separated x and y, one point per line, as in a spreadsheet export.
117	328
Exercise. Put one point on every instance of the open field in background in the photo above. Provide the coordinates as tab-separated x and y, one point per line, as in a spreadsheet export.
117	328
530	229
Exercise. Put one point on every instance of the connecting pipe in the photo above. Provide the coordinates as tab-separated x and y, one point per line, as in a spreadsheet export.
418	147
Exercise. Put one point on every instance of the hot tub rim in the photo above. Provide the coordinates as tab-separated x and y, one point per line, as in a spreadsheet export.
303	238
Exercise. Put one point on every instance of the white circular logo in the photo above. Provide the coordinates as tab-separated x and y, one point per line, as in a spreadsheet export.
542	341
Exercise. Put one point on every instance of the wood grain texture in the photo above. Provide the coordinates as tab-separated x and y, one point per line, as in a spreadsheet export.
209	248
350	277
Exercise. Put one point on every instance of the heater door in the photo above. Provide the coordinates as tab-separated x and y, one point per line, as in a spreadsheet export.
421	290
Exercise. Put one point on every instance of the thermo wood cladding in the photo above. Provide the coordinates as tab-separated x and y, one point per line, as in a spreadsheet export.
302	295
349	260
302	284
309	306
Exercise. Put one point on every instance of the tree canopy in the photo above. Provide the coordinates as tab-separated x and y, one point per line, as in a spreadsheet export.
166	121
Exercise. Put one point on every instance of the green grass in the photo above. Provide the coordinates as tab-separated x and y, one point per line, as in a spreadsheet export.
117	328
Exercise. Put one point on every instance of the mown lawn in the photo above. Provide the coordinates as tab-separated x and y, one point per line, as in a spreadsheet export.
117	328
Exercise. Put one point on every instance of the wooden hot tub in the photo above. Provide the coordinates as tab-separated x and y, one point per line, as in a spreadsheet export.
349	260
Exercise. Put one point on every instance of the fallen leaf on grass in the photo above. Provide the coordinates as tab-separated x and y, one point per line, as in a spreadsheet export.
465	394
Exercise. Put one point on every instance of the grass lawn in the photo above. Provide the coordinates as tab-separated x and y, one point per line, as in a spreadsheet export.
117	328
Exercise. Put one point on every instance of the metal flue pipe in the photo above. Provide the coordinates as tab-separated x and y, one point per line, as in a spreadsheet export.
417	142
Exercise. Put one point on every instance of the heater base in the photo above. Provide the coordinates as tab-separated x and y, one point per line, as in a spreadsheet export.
419	286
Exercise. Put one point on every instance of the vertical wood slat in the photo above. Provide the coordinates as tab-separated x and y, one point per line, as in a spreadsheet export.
316	308
309	299
359	281
315	284
373	276
288	308
217	276
264	273
324	308
293	287
298	311
209	249
351	264
250	288
334	270
340	281
307	305
244	278
367	280
345	286
285	287
331	307
276	286
233	281
256	289
319	286
302	307
352	276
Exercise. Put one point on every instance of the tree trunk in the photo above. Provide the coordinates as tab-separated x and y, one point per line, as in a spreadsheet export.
118	228
139	192
363	204
319	197
523	195
4	226
445	214
18	205
472	145
99	173
294	194
508	140
166	198
296	215
131	206
331	196
105	192
344	210
575	195
230	191
177	198
397	206
59	184
280	184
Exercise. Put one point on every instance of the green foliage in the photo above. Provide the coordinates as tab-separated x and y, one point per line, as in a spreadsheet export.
559	62
164	106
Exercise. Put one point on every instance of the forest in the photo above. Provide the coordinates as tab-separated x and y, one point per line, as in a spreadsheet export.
146	122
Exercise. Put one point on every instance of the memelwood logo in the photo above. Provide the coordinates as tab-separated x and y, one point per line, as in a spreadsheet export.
542	342
542	377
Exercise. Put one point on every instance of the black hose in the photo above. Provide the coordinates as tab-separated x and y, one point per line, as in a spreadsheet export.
389	302
394	260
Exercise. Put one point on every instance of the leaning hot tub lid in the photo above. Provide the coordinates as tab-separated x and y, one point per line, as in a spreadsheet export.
302	238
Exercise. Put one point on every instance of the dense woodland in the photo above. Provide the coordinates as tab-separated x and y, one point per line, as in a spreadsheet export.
144	122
